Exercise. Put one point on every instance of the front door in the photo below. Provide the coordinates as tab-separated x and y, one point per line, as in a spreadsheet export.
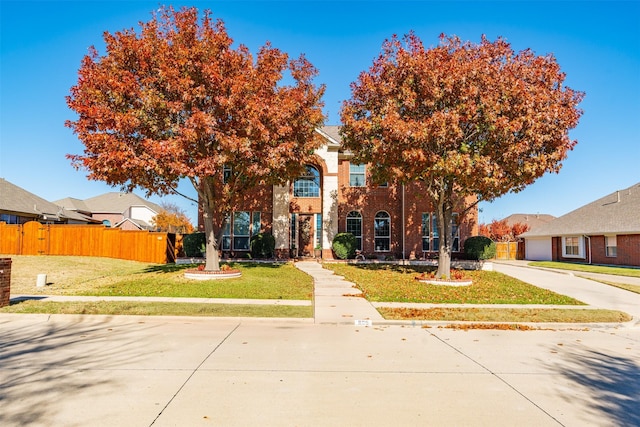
305	235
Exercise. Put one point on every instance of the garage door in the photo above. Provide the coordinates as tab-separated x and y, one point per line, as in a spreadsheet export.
538	249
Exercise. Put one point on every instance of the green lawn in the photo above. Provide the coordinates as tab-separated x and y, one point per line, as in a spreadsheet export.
160	309
113	277
389	283
588	268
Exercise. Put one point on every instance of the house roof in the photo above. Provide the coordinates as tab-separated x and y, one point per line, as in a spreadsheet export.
20	201
138	223
532	220
73	204
615	213
331	133
115	202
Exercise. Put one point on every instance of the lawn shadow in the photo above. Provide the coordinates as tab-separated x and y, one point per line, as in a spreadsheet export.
171	268
611	384
40	362
397	268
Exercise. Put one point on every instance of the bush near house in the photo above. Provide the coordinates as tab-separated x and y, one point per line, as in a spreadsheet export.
194	244
479	248
262	245
344	245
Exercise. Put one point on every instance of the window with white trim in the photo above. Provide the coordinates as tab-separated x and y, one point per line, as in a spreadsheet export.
354	226
307	185
382	232
611	246
356	175
572	247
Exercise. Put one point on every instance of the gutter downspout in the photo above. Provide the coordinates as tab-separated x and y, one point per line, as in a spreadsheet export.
589	239
403	226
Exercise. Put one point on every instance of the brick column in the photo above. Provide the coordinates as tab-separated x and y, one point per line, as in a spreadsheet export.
5	281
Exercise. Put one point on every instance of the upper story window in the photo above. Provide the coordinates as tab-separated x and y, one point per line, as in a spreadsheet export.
356	175
307	185
226	173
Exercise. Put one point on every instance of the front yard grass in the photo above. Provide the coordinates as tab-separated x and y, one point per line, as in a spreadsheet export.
588	268
160	309
526	315
393	283
70	275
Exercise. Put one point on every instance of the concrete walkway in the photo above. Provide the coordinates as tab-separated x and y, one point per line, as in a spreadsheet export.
335	300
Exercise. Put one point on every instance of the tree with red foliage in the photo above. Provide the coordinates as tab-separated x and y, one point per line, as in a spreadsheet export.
465	119
177	101
501	231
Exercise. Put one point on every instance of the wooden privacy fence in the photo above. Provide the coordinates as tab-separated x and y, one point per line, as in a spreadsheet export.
509	250
33	238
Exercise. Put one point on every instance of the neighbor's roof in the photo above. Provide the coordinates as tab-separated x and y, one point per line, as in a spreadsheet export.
615	213
532	220
20	201
72	204
118	203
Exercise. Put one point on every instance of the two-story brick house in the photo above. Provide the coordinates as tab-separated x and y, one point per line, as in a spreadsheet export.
337	195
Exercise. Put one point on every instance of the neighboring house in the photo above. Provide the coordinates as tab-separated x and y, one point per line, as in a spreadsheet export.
18	206
606	231
336	195
126	211
532	220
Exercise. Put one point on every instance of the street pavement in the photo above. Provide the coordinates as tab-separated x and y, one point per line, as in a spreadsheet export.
62	370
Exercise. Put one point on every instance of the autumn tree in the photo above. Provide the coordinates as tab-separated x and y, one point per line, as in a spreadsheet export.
466	119
172	219
177	101
502	231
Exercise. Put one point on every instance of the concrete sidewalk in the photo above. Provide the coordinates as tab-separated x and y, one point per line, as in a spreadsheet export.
61	370
335	300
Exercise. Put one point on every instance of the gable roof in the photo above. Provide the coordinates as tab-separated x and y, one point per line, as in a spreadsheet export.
20	201
115	202
532	220
615	213
73	204
331	134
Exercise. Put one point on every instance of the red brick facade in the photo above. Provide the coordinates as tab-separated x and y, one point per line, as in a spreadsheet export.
306	226
627	250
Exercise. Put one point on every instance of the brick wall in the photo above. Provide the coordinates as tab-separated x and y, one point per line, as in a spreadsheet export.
370	200
628	250
5	281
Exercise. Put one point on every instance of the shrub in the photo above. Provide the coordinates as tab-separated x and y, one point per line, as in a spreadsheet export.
344	245
479	247
194	244
262	245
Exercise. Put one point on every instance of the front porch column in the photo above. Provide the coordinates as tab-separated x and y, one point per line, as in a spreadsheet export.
281	221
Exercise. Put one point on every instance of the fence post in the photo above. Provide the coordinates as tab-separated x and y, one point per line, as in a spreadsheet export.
5	281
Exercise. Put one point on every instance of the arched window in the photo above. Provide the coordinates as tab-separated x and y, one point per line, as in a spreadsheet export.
382	232
308	185
354	226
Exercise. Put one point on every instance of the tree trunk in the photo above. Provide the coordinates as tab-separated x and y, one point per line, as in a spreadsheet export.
444	214
212	257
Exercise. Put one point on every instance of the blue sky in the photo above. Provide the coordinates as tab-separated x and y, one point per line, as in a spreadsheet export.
597	45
